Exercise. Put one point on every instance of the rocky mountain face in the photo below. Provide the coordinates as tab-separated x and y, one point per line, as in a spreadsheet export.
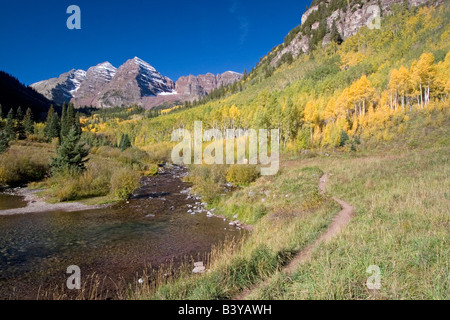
63	88
135	82
190	88
347	19
97	78
202	85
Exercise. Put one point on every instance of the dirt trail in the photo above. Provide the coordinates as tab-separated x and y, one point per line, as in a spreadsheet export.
339	221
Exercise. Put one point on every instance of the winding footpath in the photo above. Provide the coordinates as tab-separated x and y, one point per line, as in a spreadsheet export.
339	221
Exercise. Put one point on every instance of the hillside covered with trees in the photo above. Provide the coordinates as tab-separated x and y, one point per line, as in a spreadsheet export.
361	90
365	119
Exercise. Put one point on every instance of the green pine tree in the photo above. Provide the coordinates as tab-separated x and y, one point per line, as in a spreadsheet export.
20	129
19	113
71	155
28	122
77	124
4	141
52	126
125	142
10	129
1	117
344	138
335	35
68	120
64	125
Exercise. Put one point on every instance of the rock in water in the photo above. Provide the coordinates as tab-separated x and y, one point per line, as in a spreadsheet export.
199	267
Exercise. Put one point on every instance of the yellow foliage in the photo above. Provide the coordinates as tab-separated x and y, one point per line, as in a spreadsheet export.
351	59
331	135
312	113
234	112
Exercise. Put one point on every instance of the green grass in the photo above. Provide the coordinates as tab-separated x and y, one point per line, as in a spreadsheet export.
288	191
111	174
277	236
400	192
401	225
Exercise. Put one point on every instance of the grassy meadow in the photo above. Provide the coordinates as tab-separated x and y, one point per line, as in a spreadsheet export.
400	192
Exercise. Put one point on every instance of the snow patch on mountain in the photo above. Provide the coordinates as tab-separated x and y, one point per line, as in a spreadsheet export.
167	93
75	80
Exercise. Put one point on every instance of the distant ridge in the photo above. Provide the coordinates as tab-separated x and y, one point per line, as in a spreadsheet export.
135	82
14	94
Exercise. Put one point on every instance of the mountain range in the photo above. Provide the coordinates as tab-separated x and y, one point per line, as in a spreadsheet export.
135	82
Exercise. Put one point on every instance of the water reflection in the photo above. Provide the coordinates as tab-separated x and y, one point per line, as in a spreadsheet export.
117	242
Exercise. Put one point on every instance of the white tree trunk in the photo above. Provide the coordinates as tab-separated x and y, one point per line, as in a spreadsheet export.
421	96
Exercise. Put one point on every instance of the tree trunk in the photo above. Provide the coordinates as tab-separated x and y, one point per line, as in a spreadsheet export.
421	96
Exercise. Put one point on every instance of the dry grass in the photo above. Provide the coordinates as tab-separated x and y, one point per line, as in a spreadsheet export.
24	162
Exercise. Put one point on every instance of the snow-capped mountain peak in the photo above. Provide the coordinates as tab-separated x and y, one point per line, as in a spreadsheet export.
134	82
75	80
145	66
104	70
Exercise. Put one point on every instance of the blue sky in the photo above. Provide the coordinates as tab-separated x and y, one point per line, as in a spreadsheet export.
176	37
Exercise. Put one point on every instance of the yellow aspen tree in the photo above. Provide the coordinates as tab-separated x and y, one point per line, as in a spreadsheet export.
403	85
422	78
234	115
330	111
361	92
393	89
442	81
312	117
344	104
342	123
225	118
355	125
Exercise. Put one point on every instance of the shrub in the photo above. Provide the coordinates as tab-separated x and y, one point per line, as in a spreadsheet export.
159	152
20	166
134	156
242	174
67	187
108	152
208	180
123	182
94	182
151	170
